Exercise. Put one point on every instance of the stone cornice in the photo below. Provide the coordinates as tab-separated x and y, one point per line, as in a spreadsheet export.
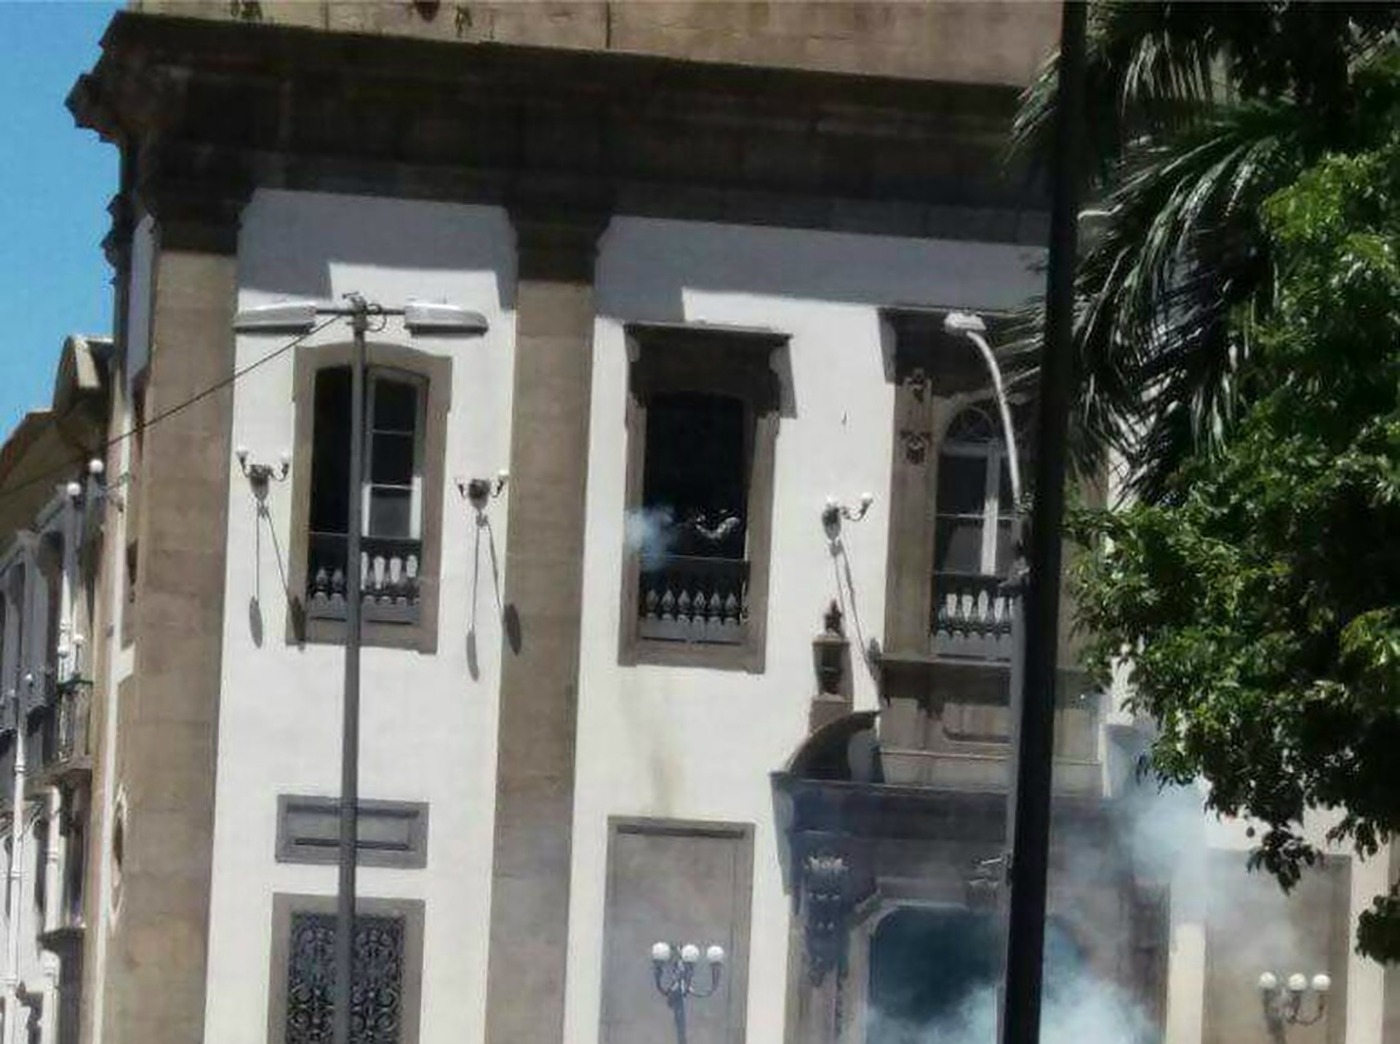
288	107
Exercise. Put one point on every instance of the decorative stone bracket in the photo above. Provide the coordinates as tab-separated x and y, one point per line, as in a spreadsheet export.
826	894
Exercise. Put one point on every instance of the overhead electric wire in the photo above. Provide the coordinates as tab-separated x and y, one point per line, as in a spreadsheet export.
59	470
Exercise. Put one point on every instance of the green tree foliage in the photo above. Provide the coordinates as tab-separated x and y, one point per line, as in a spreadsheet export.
1256	603
1195	114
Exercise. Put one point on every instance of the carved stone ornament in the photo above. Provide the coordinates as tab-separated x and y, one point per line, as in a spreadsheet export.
916	444
825	878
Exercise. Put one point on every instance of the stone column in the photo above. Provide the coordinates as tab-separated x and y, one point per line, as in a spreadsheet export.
543	594
165	762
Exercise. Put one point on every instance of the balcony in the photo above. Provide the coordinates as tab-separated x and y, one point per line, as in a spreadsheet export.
65	734
389	578
693	599
971	617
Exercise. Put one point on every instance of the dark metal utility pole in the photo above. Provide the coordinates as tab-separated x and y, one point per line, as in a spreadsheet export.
1030	827
350	715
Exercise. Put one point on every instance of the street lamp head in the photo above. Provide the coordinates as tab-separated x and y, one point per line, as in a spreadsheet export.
690	953
1297	982
715	955
1268	982
1321	983
660	952
964	322
435	317
277	317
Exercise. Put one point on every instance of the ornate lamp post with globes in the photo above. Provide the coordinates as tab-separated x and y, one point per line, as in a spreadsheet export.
1283	1004
673	972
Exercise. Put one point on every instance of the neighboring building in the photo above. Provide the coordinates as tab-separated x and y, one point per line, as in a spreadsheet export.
649	687
51	505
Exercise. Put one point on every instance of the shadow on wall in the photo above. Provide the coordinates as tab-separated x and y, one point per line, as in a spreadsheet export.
646	265
510	619
411	236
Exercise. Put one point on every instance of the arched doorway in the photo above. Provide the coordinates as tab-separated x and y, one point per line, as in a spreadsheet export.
935	973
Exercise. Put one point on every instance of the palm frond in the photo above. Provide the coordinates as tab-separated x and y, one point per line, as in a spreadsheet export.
1175	252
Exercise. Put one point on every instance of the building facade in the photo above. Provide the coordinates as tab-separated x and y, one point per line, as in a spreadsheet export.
686	618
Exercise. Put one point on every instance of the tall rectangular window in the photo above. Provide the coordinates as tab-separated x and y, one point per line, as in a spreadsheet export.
408	395
391	499
703	421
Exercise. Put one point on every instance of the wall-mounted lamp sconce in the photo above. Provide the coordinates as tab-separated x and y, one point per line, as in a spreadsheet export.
834	511
1283	1003
260	476
673	971
479	491
101	490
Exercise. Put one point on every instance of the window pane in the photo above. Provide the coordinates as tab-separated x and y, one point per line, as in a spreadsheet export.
1005	550
330	452
395	405
957	545
962	484
696	473
391	513
391	459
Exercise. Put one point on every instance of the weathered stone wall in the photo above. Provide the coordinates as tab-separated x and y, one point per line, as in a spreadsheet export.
986	42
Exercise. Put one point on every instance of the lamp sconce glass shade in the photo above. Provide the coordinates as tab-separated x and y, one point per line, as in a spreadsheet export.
1268	982
1297	982
278	317
1321	983
660	952
715	955
435	317
690	953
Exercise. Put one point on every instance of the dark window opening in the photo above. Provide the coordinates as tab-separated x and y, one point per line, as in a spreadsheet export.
695	476
391	498
692	530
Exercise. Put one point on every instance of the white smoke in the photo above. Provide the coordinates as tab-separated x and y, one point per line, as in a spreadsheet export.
1077	1010
651	532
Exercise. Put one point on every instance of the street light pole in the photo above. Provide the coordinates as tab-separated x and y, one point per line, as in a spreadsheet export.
1030	827
350	716
300	317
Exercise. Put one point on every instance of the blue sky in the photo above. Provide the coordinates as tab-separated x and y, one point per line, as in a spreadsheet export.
55	182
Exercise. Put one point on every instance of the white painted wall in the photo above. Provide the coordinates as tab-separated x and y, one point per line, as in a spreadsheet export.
429	727
699	744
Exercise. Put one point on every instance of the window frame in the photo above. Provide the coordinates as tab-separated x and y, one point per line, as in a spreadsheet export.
435	401
936	377
735	363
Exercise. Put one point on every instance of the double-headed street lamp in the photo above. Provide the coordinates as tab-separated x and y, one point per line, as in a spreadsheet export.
300	317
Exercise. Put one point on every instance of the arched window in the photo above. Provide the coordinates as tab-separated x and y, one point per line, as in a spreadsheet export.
975	509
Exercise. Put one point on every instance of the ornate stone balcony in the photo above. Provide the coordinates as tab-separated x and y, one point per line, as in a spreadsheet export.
971	617
389	578
692	599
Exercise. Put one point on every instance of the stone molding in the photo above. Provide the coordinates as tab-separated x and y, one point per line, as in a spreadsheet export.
240	105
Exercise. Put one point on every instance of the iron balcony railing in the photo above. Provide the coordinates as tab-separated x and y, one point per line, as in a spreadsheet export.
65	730
390	582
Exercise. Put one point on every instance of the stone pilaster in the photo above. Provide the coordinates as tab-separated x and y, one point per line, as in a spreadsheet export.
168	719
544	592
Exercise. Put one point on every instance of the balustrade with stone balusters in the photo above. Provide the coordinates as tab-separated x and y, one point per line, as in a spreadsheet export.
685	599
971	617
389	578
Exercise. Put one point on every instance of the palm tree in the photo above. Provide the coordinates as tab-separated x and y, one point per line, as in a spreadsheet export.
1195	114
